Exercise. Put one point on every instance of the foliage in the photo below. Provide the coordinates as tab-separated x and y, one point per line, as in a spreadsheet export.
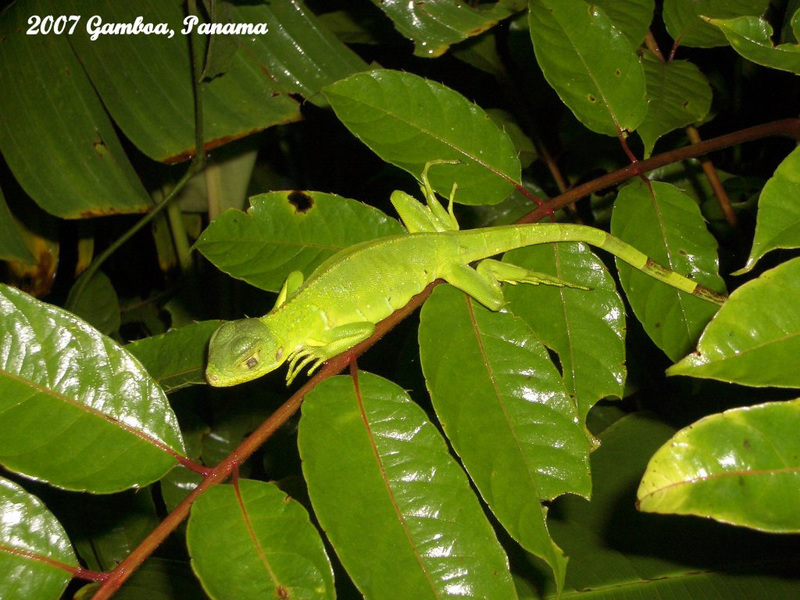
485	454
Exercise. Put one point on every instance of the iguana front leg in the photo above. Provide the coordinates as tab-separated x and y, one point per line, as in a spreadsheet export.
483	283
329	344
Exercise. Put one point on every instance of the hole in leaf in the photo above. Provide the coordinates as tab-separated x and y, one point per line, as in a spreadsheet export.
301	201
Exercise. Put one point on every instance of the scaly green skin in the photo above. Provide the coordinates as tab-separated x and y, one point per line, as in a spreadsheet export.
339	304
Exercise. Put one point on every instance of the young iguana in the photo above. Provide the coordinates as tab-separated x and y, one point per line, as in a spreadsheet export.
338	306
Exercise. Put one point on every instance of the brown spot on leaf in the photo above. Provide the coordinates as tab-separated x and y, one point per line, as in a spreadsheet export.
282	592
301	201
100	147
592	98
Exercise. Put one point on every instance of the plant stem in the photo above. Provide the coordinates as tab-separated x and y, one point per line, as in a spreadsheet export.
783	128
713	180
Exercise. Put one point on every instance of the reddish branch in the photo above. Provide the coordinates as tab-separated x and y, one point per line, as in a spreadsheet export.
783	128
116	577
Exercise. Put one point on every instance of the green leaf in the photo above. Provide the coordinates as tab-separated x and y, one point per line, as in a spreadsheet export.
60	145
522	143
435	26
667	226
97	304
410	121
738	467
631	17
482	53
233	423
395	505
591	66
755	338
177	358
778	221
299	52
239	103
619	553
752	38
585	327
679	94
12	242
106	529
32	545
685	23
176	485
76	410
250	540
505	410
289	231
160	579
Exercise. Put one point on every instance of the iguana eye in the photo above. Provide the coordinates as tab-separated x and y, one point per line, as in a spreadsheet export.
251	363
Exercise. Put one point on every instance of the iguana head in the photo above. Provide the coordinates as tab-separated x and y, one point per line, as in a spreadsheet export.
241	351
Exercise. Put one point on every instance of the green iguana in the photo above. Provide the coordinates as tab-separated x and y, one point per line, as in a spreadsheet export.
338	306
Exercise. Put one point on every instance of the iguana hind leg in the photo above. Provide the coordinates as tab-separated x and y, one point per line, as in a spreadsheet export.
430	217
514	274
483	283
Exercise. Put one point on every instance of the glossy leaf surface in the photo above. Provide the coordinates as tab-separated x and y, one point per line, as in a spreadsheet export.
679	94
177	358
778	224
505	410
668	227
32	544
66	128
435	26
755	338
585	327
395	505
631	17
250	540
241	102
298	52
589	63
409	121
741	467
76	410
289	231
752	38
685	22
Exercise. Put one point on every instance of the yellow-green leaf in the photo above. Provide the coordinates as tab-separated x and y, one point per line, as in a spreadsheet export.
741	467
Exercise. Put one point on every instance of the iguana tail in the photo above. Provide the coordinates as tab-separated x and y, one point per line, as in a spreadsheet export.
481	243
